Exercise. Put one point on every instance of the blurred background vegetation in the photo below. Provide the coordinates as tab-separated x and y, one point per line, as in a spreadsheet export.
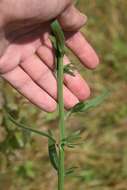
102	160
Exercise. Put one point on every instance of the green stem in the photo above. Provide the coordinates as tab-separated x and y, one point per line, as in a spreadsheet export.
60	75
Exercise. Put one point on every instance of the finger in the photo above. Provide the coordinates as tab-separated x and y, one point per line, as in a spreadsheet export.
77	84
27	87
72	19
10	59
43	76
82	49
21	49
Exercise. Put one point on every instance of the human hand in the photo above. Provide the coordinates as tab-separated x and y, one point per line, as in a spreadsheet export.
27	56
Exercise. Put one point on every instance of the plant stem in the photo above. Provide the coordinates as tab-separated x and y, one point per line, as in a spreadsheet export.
60	75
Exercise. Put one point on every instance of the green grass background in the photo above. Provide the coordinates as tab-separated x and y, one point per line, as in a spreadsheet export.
102	160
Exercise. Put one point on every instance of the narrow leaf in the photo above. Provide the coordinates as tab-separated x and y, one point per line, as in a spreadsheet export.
22	126
84	106
72	137
73	145
53	153
70	141
54	43
69	69
59	35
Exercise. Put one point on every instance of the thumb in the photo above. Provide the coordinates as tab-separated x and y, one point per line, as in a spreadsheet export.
71	19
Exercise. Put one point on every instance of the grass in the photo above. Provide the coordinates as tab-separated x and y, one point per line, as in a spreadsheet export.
104	152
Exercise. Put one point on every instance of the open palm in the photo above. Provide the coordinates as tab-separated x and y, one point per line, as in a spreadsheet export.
28	63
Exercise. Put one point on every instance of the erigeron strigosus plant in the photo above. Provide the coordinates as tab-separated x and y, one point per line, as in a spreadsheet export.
57	149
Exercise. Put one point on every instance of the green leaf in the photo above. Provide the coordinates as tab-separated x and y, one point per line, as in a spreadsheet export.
72	137
22	126
72	145
84	106
53	153
59	35
70	140
69	69
54	43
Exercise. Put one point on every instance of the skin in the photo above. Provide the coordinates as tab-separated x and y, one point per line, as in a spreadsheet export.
27	56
